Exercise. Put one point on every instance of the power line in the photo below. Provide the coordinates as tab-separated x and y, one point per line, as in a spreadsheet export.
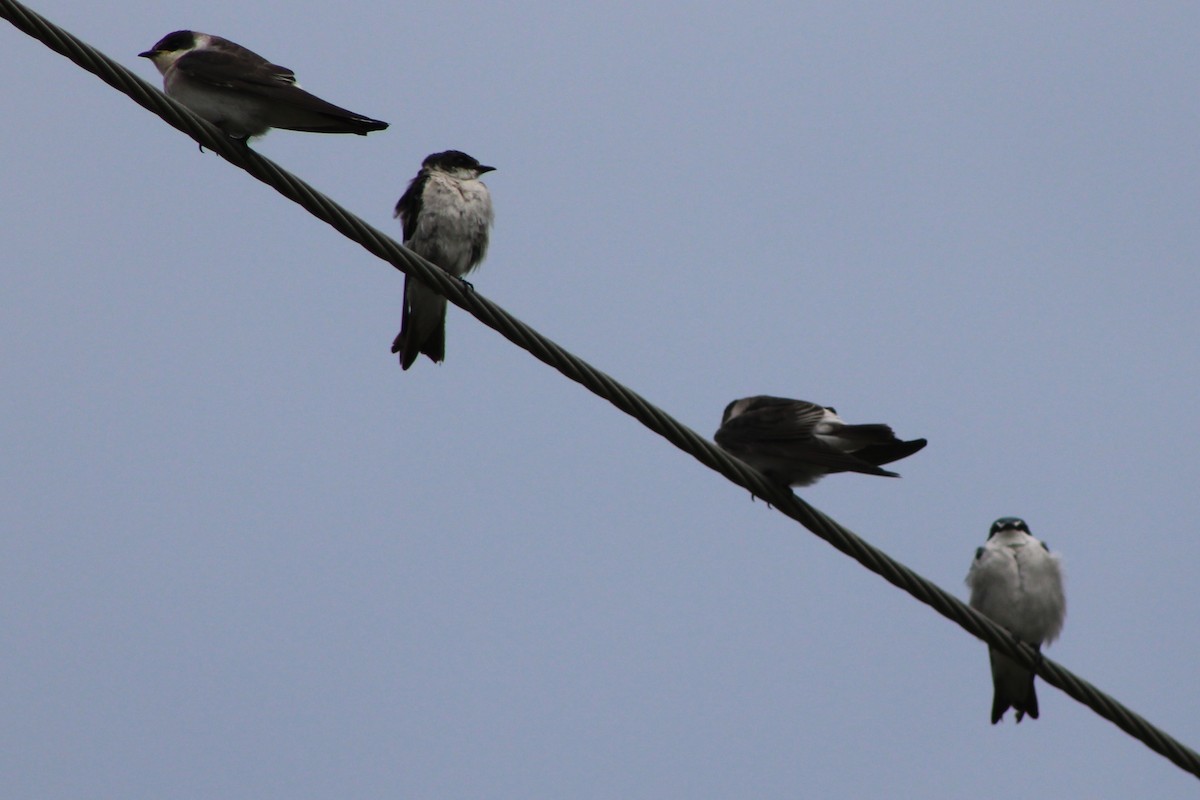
578	370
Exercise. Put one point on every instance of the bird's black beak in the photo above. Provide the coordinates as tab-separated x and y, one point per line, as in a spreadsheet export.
483	169
147	54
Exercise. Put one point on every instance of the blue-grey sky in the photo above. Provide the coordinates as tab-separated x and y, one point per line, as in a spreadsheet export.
245	556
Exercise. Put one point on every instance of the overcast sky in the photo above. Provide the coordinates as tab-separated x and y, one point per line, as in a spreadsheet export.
244	555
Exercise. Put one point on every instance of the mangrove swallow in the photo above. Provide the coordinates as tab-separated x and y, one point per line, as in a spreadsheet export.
241	92
797	443
1017	583
446	212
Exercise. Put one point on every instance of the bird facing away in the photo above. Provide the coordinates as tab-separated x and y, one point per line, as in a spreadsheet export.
241	92
446	213
1017	583
797	443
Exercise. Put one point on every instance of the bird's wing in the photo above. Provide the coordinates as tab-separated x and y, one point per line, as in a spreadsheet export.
260	78
408	207
231	70
783	431
775	421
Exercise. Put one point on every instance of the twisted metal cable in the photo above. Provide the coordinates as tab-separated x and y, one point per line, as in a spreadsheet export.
545	350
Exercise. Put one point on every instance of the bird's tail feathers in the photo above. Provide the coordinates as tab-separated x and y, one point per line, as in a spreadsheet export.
1013	685
863	435
879	454
422	325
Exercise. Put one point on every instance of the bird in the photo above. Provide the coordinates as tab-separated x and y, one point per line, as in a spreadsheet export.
796	443
241	92
445	212
1017	583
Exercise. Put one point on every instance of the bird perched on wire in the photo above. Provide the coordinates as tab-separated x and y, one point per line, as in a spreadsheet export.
797	443
446	213
241	92
1017	583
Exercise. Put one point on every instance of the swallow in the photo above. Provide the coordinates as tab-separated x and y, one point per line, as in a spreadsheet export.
446	213
241	92
1017	583
796	443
